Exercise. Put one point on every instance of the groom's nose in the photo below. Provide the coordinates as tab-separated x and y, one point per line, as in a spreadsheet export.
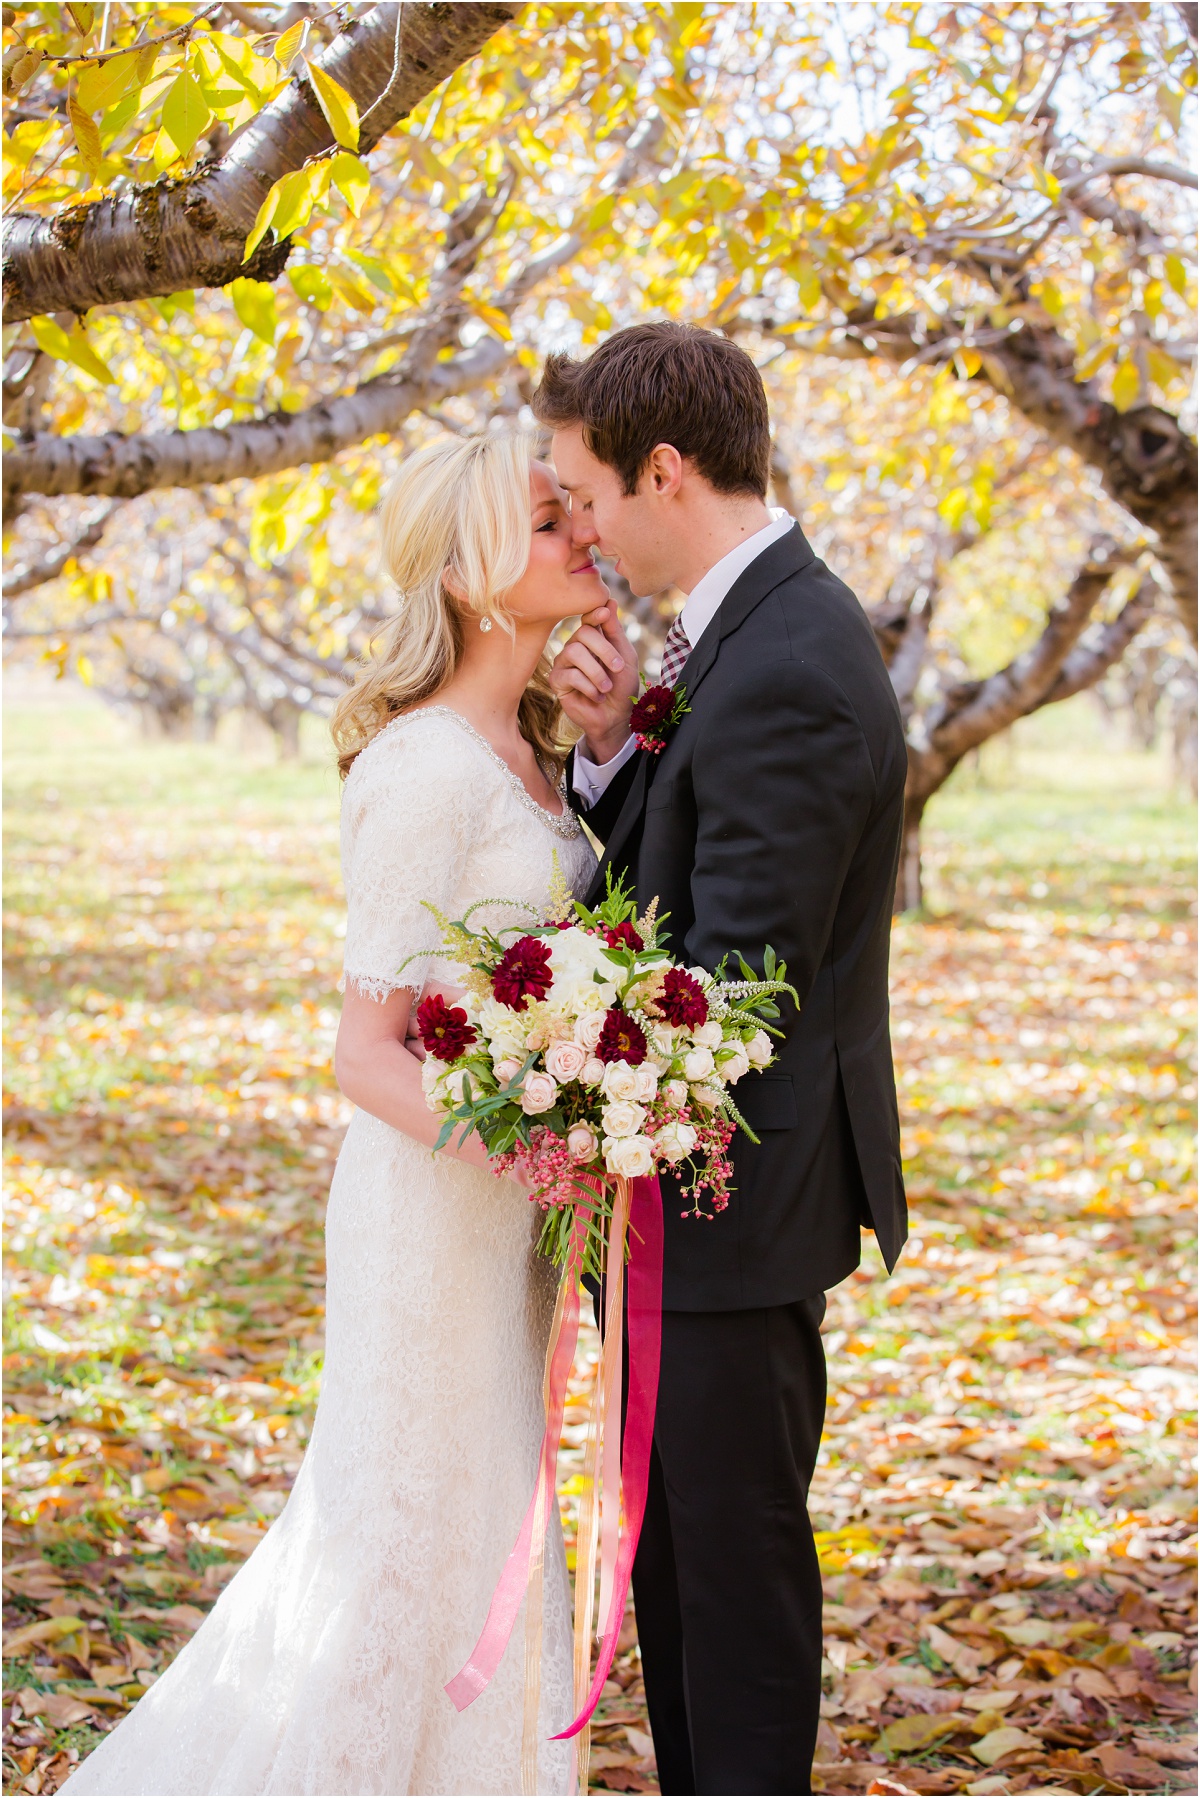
583	531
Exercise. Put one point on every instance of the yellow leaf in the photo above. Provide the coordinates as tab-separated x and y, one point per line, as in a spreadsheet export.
352	178
1127	384
84	670
999	1742
496	319
82	15
289	42
28	139
312	284
262	222
101	84
1176	273
70	347
909	1734
24	70
185	112
254	303
336	104
47	1629
87	137
294	204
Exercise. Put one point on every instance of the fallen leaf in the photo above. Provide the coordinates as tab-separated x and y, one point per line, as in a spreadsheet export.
1126	1768
49	1629
908	1734
998	1700
999	1742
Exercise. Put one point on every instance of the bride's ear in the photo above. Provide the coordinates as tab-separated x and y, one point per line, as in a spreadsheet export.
453	585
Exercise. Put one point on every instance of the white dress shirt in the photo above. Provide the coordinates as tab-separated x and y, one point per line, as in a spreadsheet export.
699	609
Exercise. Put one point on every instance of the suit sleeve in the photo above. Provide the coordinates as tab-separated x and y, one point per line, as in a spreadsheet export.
601	817
783	786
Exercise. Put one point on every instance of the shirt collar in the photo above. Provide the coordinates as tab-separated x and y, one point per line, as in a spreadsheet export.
704	600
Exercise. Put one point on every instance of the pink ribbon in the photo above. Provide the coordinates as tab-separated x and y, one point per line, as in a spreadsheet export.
644	1278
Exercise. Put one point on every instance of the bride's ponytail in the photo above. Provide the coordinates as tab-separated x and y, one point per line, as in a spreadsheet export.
461	505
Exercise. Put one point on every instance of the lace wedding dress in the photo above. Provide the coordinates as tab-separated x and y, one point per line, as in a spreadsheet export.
320	1669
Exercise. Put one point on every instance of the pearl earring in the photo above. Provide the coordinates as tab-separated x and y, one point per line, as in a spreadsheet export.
485	624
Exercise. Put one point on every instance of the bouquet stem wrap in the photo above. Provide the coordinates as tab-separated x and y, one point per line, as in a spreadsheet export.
621	1460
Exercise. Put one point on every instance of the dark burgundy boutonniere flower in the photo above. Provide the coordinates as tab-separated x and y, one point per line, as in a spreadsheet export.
623	936
622	1038
444	1029
682	1000
656	713
523	972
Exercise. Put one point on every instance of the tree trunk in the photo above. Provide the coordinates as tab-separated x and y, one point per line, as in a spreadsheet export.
180	234
910	895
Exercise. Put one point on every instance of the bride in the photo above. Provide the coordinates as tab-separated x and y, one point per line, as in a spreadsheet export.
321	1667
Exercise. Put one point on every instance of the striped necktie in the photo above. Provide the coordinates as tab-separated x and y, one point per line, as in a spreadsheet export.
676	651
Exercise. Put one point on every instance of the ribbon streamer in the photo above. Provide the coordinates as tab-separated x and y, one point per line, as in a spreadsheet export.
619	1466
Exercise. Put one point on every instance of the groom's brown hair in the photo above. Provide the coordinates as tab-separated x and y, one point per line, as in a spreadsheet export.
665	383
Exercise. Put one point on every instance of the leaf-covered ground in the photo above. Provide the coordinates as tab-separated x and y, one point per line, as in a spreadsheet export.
1005	1495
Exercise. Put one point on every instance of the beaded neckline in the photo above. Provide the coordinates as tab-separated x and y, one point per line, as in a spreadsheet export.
567	826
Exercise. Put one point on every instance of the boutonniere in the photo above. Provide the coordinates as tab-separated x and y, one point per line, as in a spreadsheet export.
656	713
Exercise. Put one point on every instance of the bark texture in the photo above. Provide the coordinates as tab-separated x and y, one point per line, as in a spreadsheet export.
177	235
970	712
1146	462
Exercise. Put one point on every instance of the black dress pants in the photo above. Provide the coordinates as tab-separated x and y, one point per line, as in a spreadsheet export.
726	1581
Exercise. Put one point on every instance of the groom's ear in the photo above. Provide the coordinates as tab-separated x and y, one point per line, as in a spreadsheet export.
662	474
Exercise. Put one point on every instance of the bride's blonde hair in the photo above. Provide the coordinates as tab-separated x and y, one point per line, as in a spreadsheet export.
458	507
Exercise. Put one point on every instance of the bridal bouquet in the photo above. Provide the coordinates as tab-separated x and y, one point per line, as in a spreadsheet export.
582	1053
590	1060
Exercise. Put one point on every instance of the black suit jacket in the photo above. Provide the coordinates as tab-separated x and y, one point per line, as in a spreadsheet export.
773	815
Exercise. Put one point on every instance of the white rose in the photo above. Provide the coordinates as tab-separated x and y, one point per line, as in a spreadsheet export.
581	1141
734	1066
620	1081
508	1069
674	1141
454	1085
647	1078
431	1073
702	975
629	1156
662	1039
698	1064
565	1061
539	1094
592	1072
622	1119
707	1036
707	1096
675	1092
759	1049
588	1028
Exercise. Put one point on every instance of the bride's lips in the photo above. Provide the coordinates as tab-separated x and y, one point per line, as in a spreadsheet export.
588	567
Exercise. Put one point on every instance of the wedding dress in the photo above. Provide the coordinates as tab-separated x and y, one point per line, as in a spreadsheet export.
321	1667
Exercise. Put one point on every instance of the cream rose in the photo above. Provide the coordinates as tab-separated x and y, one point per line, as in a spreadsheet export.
620	1081
675	1092
759	1049
588	1028
707	1036
698	1064
539	1094
647	1079
593	1071
622	1119
707	1096
732	1067
566	1061
629	1156
674	1141
508	1069
581	1141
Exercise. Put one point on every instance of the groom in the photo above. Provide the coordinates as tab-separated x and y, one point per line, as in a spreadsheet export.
772	816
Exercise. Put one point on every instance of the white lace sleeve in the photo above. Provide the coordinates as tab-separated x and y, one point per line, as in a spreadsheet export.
408	819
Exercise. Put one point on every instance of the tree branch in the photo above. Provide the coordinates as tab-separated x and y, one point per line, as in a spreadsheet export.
189	233
129	465
1089	662
36	574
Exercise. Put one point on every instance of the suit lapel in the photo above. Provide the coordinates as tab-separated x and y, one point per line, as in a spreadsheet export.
786	557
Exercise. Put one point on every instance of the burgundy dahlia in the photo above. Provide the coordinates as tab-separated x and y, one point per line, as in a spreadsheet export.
682	1000
622	1038
652	711
522	972
623	936
443	1028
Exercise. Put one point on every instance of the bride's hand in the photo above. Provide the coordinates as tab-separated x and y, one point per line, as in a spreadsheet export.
595	675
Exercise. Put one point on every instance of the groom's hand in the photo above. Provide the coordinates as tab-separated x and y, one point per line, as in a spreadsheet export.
595	675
